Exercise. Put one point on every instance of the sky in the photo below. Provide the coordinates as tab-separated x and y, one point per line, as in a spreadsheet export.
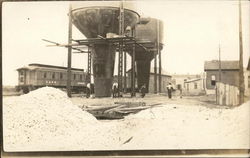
193	31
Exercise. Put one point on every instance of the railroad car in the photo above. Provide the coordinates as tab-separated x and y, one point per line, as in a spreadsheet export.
36	75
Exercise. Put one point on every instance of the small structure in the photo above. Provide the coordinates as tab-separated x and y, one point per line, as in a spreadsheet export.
165	79
180	79
194	86
226	72
247	79
150	87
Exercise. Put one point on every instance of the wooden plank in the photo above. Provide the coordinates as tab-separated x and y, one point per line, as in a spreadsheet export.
102	108
131	103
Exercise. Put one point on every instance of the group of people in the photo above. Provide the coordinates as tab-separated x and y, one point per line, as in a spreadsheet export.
142	90
115	90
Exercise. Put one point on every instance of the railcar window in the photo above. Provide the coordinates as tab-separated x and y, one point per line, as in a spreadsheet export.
53	75
21	72
21	79
44	75
74	76
61	75
80	77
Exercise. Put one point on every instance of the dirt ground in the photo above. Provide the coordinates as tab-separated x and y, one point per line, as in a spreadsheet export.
190	122
204	100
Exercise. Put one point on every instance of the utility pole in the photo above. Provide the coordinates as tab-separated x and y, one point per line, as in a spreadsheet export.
219	64
69	54
241	75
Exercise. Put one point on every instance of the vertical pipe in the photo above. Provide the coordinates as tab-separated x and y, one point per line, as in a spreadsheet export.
133	71
155	73
159	52
219	65
69	54
125	70
133	66
241	75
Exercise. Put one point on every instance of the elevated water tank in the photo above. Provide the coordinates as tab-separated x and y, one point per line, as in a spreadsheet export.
100	20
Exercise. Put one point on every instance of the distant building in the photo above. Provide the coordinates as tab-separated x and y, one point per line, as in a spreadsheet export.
165	79
229	73
192	85
189	83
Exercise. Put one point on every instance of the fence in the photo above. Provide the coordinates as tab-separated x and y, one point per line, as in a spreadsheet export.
227	94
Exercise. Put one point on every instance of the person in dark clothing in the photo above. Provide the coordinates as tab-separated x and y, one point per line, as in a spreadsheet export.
114	91
143	91
169	88
88	90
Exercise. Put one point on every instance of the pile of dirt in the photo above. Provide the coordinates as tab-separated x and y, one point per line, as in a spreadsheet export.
46	119
175	126
43	119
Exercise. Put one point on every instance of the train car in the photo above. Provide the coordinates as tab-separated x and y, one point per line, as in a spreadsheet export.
35	76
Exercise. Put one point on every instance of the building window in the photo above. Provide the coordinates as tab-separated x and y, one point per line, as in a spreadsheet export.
53	75
248	81
61	75
213	77
213	82
44	75
195	86
21	79
21	73
178	86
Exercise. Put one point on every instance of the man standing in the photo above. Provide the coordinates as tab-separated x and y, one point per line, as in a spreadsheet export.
88	90
115	90
169	88
143	91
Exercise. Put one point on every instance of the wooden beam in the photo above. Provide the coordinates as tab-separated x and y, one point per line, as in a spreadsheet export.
155	72
159	54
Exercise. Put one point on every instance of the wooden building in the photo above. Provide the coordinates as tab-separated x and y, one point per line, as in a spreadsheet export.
165	79
226	72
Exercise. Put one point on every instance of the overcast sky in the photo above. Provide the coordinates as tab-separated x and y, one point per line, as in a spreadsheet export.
192	33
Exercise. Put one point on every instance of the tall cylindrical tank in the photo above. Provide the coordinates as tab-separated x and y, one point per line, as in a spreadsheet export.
100	20
151	31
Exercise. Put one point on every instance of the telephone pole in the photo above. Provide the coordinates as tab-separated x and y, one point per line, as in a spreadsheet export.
69	54
241	75
219	64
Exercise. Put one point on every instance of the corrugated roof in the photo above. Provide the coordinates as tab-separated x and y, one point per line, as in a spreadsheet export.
34	66
225	65
53	66
163	72
192	80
